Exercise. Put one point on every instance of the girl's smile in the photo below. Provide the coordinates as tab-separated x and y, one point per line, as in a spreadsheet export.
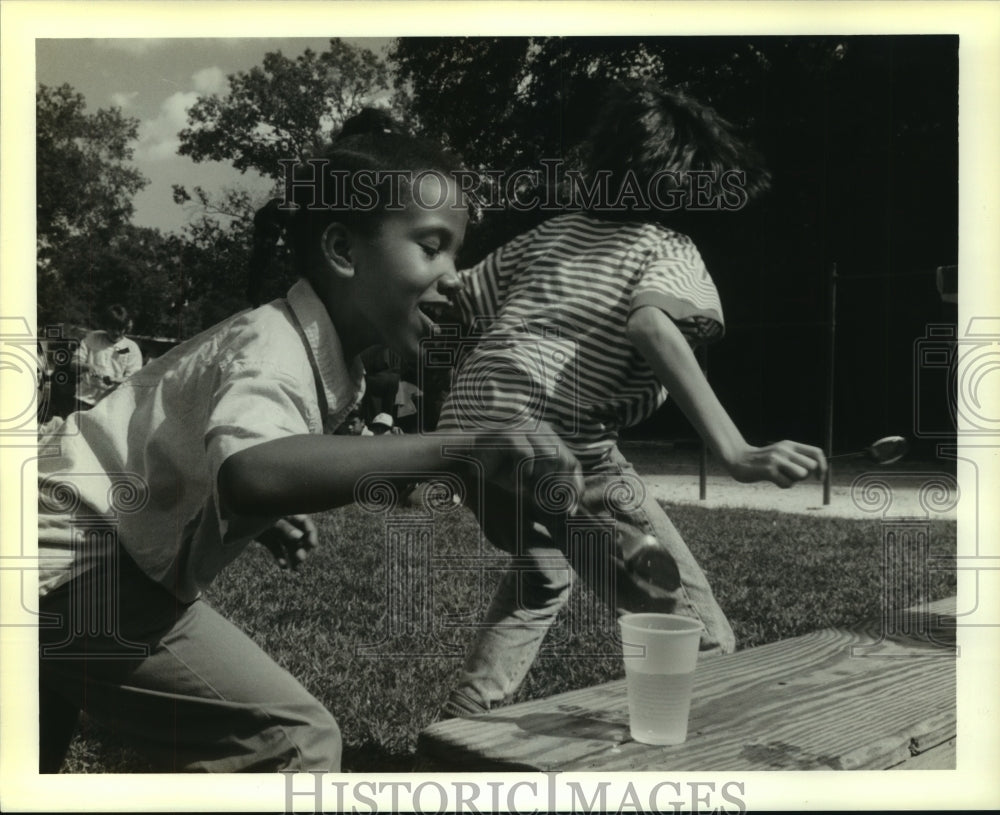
404	275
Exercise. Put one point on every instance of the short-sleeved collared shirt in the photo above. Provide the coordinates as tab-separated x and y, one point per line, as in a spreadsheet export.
549	310
141	466
115	359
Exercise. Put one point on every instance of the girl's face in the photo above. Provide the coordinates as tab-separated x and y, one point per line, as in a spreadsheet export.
405	273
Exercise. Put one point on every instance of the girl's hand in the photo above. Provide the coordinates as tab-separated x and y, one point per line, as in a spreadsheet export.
290	540
782	463
519	461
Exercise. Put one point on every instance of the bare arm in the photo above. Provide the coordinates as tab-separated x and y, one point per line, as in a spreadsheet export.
664	347
310	473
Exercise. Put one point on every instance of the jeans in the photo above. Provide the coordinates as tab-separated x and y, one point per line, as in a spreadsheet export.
616	512
183	685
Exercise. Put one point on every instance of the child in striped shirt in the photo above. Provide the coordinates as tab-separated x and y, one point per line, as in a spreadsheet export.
586	322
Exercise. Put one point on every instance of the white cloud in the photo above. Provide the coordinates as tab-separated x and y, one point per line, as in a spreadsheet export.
158	137
123	99
209	80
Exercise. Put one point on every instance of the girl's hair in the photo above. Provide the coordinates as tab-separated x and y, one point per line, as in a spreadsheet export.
359	179
661	136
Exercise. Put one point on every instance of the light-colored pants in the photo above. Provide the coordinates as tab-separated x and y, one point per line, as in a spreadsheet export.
537	583
203	698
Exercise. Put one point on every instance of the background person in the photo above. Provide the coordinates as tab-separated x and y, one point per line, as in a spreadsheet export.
382	425
353	425
105	358
407	402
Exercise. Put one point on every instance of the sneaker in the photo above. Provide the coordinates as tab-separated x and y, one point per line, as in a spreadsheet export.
459	706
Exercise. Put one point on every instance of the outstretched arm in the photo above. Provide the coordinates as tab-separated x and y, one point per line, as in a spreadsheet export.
311	473
665	349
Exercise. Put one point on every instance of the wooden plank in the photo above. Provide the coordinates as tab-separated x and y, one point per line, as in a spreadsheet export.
940	757
832	699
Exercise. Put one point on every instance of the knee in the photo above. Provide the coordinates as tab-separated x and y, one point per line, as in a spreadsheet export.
296	739
318	743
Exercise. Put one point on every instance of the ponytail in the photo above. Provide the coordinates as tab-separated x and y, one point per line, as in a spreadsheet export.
269	224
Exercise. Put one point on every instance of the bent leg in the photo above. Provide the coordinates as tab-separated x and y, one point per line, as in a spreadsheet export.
531	593
205	697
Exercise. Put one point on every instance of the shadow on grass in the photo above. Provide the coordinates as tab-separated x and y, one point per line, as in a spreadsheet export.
372	757
98	750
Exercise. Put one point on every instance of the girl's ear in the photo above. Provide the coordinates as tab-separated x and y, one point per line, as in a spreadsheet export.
335	244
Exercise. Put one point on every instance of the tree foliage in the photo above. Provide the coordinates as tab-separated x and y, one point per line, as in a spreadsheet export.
215	256
860	136
284	108
84	181
505	101
85	186
137	267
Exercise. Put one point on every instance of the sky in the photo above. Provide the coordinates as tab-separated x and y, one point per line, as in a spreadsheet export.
156	81
155	78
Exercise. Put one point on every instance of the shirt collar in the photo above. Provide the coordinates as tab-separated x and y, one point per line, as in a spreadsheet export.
343	384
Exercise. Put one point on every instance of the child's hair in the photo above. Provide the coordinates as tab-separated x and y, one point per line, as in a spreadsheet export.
115	316
368	167
646	130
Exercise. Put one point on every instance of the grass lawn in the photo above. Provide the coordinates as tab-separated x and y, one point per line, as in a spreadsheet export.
775	575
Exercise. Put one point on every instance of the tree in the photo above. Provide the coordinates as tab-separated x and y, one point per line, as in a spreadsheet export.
284	109
215	258
84	181
860	135
84	195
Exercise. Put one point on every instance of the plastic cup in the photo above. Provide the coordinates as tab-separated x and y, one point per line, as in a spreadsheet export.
660	653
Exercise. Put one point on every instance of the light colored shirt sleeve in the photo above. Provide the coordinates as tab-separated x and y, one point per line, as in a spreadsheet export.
675	280
257	402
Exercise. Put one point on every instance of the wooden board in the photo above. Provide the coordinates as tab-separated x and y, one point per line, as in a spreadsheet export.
941	757
832	699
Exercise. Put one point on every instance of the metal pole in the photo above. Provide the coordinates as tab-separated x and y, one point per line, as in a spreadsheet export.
830	359
703	457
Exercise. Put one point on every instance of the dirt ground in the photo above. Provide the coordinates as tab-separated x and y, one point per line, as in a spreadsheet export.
859	489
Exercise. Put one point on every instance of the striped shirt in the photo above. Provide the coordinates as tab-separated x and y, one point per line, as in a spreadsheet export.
548	312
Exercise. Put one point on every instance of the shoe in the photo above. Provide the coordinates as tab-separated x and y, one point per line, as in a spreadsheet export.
459	706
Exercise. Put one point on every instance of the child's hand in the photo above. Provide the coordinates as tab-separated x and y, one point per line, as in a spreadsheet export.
290	540
519	462
782	463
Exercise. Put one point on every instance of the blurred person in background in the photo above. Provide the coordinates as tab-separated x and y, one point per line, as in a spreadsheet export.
105	358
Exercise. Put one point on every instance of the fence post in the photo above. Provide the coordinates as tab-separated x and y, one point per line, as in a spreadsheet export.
830	359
